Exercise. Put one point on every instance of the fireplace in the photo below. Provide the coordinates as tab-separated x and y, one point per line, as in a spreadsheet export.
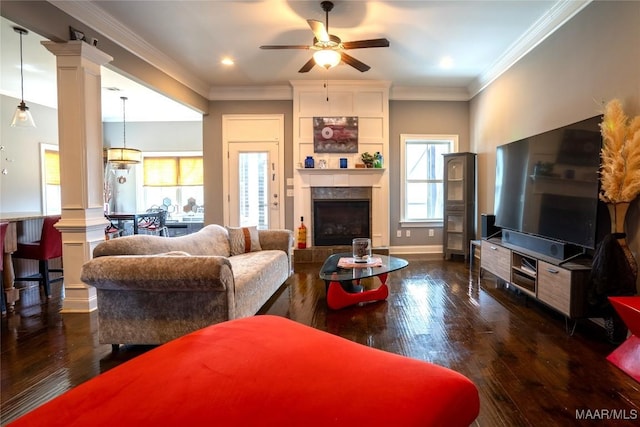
340	214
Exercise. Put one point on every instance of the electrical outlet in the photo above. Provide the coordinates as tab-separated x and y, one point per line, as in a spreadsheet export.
407	233
399	233
431	232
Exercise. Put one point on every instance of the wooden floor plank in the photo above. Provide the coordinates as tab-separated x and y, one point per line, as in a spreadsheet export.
528	370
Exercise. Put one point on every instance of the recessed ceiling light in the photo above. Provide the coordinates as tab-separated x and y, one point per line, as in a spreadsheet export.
446	62
227	61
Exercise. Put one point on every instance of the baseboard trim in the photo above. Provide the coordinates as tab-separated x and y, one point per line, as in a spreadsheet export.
418	250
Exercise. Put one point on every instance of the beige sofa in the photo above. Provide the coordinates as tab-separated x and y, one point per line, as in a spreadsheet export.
153	289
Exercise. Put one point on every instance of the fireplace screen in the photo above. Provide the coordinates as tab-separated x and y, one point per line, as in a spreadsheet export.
339	222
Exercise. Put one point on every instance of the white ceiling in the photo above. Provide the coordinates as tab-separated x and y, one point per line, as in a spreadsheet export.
188	40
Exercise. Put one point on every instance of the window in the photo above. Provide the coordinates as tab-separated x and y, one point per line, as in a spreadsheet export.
175	183
50	164
422	176
253	181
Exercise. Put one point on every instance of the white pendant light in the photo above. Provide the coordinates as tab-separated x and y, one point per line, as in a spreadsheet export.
327	58
123	158
22	117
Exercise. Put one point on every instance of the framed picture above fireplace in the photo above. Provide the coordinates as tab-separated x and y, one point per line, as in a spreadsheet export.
335	134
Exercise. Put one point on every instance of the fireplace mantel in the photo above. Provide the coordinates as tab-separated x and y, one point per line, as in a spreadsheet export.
333	171
360	177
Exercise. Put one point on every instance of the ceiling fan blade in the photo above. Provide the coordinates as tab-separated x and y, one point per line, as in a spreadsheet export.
319	30
360	66
308	66
361	44
294	46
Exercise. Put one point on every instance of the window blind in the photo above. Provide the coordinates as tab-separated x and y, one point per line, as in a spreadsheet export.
173	171
51	167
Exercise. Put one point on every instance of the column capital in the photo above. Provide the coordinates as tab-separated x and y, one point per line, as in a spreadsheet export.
78	48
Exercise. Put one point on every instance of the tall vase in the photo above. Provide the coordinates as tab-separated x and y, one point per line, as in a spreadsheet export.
618	213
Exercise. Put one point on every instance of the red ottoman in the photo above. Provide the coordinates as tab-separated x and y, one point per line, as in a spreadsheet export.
265	370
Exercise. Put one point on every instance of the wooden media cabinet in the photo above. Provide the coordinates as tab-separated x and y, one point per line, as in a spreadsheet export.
560	285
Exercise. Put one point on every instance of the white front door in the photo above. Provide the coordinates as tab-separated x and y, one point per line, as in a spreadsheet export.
253	185
253	171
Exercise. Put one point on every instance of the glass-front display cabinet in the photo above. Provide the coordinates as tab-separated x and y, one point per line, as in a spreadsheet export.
459	206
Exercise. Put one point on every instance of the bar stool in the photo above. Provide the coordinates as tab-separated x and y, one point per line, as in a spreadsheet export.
48	247
3	232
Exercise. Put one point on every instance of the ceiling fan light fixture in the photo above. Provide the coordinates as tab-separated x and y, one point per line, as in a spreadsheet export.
327	58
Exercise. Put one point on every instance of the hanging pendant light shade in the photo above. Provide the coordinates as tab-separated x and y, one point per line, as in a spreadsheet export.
123	158
22	117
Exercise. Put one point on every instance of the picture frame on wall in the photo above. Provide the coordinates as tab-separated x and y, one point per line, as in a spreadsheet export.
335	134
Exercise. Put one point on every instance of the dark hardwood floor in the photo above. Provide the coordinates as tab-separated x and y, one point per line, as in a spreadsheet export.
528	370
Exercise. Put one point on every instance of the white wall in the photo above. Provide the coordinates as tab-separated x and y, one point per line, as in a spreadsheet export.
155	136
20	189
367	100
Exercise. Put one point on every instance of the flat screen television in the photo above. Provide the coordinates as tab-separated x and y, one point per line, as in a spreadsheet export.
547	185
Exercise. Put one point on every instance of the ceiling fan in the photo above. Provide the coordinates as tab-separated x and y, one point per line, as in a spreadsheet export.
329	49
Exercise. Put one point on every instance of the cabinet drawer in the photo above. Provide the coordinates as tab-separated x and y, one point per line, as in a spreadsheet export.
496	259
554	286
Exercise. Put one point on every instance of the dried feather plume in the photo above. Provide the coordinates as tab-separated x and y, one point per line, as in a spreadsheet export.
620	169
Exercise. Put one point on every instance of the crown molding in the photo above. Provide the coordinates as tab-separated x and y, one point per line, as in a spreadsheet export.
418	93
350	83
251	93
557	16
99	20
285	93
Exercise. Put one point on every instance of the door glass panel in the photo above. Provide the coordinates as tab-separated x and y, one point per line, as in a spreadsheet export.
253	179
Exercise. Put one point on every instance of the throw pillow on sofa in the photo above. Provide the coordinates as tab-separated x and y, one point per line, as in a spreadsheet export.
243	240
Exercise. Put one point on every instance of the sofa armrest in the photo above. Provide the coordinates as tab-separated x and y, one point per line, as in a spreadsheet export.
277	240
159	273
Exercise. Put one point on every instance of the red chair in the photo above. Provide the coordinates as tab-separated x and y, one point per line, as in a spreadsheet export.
3	232
48	247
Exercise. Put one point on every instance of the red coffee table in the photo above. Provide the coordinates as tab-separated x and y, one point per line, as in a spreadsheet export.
343	284
627	356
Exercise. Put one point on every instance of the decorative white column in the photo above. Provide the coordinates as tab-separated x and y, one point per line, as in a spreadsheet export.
81	168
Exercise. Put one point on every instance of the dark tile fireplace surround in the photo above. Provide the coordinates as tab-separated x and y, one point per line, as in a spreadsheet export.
338	215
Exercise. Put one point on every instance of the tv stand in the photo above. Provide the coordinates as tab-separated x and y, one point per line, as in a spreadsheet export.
559	284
